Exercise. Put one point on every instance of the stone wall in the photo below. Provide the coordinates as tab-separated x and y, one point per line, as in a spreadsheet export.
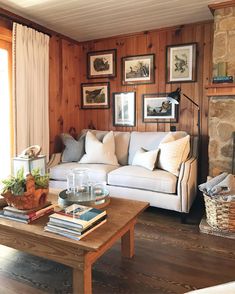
224	39
222	108
221	127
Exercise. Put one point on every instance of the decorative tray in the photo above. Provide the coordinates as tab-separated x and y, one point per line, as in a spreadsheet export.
85	198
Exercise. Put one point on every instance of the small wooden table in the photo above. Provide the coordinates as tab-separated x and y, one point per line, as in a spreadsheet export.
80	255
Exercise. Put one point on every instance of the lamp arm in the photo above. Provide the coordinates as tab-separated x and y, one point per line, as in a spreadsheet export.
191	100
198	120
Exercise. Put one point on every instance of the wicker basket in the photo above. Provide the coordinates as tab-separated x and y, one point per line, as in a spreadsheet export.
220	213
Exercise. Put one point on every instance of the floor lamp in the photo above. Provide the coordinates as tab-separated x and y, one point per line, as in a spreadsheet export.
175	96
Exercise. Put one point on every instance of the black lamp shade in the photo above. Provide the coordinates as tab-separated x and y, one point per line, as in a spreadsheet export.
175	95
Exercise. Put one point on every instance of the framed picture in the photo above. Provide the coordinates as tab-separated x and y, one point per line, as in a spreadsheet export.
95	95
101	64
124	109
181	63
157	108
139	69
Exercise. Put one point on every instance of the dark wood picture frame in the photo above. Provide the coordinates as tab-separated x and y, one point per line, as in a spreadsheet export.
158	109
102	64
181	63
95	95
124	109
138	69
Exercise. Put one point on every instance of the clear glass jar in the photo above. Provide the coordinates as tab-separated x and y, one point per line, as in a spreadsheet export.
99	189
81	180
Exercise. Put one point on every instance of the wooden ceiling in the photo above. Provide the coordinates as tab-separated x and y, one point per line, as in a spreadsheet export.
93	19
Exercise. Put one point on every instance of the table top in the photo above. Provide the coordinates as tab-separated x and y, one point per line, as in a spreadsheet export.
119	213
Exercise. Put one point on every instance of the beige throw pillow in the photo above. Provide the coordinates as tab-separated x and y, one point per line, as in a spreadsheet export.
145	158
99	152
173	153
168	138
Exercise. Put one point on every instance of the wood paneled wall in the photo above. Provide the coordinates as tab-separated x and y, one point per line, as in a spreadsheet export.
68	69
64	89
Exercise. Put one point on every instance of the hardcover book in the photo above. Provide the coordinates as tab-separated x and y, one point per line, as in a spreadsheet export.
32	215
79	215
75	236
71	227
13	218
26	216
28	211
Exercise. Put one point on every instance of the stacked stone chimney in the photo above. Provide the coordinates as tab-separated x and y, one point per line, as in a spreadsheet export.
222	108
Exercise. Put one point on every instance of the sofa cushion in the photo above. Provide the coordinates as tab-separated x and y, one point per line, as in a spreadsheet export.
122	140
74	149
99	152
97	172
142	178
173	153
149	141
145	158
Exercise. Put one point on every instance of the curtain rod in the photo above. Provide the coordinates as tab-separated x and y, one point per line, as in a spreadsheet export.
24	21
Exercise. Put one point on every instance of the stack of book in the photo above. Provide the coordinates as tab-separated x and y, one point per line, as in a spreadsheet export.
26	216
75	221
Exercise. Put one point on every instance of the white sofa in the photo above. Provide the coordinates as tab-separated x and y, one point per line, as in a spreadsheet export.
158	187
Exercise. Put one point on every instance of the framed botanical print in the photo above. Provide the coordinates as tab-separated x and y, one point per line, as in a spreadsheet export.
181	63
101	64
158	108
139	69
95	95
124	109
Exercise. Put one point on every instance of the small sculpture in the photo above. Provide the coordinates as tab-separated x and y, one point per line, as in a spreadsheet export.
31	152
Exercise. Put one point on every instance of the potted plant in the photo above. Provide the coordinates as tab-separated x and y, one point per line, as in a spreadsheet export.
26	192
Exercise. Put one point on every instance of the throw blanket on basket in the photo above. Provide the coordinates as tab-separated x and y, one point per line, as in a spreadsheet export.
223	184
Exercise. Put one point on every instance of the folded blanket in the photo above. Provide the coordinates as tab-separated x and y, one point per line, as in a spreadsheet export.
226	186
206	187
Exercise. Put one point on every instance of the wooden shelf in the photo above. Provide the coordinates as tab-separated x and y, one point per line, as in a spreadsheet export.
221	5
223	89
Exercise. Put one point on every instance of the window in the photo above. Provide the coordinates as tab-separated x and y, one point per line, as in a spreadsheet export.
5	109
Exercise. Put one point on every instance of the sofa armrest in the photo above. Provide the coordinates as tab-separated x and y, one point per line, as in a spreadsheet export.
187	183
54	160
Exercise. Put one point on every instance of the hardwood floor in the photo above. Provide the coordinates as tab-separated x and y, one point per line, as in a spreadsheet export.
170	257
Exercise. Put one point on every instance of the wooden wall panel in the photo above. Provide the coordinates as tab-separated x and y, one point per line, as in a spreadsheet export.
69	69
153	42
64	89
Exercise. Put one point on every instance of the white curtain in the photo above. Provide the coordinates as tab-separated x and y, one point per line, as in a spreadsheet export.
31	88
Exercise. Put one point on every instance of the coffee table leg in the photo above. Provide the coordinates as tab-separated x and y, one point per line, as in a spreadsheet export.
128	245
82	281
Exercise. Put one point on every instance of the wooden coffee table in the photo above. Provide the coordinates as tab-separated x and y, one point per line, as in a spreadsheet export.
80	255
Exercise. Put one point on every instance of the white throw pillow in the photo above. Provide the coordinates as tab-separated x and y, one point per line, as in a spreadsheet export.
173	153
99	152
145	158
168	138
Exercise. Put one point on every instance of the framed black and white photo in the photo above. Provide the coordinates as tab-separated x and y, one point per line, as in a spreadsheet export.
139	69
124	109
101	64
95	95
158	108
181	63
